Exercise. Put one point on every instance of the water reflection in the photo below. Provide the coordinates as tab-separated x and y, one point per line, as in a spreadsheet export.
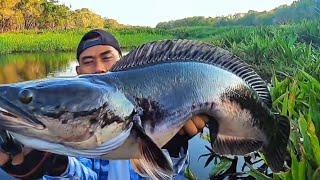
24	67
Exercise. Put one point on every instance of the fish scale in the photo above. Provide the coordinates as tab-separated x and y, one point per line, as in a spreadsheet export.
204	53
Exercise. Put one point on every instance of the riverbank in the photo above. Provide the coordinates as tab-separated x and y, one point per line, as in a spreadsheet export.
67	41
287	54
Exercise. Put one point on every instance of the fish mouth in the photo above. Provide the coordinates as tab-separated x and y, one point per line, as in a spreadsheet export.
13	116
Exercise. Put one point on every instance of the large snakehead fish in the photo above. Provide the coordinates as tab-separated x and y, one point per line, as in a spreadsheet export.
134	110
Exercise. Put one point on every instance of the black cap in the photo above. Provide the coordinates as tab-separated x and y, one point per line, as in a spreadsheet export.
97	37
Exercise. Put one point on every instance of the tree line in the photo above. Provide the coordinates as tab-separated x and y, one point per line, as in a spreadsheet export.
18	15
285	14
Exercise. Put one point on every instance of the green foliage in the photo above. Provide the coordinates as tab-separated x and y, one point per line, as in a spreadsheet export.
298	11
39	41
256	174
194	21
188	174
290	62
56	17
19	15
135	36
286	56
221	167
298	98
48	41
85	18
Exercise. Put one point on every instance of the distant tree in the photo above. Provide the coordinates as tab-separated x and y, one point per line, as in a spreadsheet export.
8	20
18	15
285	14
56	16
87	19
190	21
111	23
31	10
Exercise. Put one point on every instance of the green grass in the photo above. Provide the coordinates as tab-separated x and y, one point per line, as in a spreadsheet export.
38	41
288	57
131	38
45	41
297	97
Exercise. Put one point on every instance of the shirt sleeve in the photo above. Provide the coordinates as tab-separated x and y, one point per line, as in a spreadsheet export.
76	170
91	169
179	163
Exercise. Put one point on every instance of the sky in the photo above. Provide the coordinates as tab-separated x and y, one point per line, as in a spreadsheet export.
151	12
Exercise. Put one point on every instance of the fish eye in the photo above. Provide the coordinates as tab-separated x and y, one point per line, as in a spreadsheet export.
25	96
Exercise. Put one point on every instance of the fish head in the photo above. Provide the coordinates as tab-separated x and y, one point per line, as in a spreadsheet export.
78	112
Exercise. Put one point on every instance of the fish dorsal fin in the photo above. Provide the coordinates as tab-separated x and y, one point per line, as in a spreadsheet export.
193	51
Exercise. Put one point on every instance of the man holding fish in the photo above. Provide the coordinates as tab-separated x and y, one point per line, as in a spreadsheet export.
141	105
97	52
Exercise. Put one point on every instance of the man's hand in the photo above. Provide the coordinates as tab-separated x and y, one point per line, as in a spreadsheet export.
194	126
190	129
17	159
33	164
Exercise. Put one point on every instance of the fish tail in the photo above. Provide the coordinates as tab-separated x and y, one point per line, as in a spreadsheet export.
276	150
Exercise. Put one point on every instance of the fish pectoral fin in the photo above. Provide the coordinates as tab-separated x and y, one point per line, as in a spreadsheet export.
230	145
276	150
153	162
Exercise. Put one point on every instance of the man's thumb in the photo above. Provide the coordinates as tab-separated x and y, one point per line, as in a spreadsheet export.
4	158
17	159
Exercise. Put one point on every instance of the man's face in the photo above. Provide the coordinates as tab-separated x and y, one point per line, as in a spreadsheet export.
97	59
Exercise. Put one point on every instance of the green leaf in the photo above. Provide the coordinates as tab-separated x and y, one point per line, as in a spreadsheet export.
302	169
314	81
294	166
279	99
316	174
303	126
314	142
256	174
188	174
221	168
285	104
210	158
314	110
284	175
